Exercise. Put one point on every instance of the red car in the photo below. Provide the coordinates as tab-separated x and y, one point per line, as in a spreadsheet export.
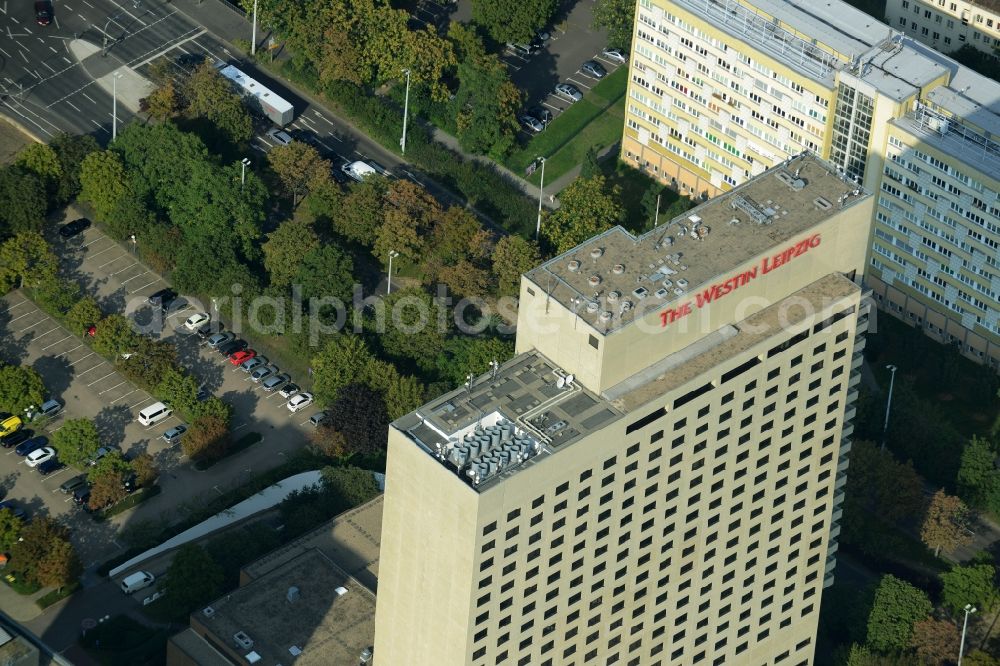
238	357
92	331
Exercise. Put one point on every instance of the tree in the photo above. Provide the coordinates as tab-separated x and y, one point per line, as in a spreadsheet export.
326	271
26	260
512	257
879	490
193	579
23	203
10	529
978	478
458	252
179	390
299	168
41	160
163	103
512	21
60	565
936	641
945	523
408	212
897	606
402	393
353	485
861	655
329	441
285	247
212	406
980	658
57	294
102	182
359	413
415	327
209	95
587	207
76	441
207	439
83	314
465	354
617	17
590	167
20	388
649	202
148	361
107	487
71	150
362	210
973	584
144	468
338	364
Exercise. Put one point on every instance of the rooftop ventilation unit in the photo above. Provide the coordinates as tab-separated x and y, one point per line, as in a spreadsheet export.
594	280
641	292
292	595
366	657
295	650
252	657
661	293
573	265
822	203
618	269
242	640
341	591
592	306
751	208
208	611
596	253
606	316
613	296
682	283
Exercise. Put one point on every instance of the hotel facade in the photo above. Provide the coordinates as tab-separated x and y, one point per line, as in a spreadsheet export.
656	476
721	90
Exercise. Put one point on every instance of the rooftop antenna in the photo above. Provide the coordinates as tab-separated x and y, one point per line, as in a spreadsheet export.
569	379
561	382
495	367
468	384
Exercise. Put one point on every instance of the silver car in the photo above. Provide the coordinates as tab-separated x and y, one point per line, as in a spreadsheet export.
614	55
262	372
594	69
174	433
220	339
569	92
252	364
532	123
274	381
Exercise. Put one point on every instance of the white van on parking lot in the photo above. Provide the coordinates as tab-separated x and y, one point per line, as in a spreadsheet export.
135	582
154	413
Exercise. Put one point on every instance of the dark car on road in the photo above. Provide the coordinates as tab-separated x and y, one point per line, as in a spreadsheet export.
33	444
15	438
74	228
43	12
164	298
232	347
189	61
78	481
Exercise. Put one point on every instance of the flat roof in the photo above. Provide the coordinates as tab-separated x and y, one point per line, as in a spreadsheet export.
900	67
331	622
352	540
201	652
610	278
528	396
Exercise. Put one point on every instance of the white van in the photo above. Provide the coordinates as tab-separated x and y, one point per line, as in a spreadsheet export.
154	413
359	170
137	581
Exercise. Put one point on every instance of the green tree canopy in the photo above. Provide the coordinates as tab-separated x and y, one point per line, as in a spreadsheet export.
879	490
414	327
20	387
299	168
465	354
76	441
23	202
362	210
326	270
71	150
974	584
587	208
513	256
512	21
359	413
10	529
617	17
978	477
40	554
207	439
41	160
193	579
26	260
897	606
83	314
102	182
179	389
338	364
945	523
285	247
209	95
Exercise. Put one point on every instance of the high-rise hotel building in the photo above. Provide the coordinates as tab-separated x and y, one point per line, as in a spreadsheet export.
722	89
656	476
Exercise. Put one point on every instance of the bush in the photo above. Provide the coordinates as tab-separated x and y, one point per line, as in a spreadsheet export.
132	500
53	596
242	443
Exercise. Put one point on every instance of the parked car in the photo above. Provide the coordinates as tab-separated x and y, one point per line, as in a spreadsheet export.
50	408
174	434
18	512
74	228
318	418
569	92
299	402
274	381
202	395
81	496
208	330
541	113
49	466
129	484
33	444
532	123
163	298
219	339
70	485
594	69
15	438
238	357
262	372
101	452
233	346
43	12
251	364
615	55
137	581
38	456
288	390
10	424
279	136
523	50
197	320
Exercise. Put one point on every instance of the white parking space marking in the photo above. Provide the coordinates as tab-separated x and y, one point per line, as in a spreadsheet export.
99	238
124	282
16	306
112	388
24	315
57	342
135	263
579	83
138	289
33	325
69	351
55	328
100	252
104	377
89	369
137	404
124	396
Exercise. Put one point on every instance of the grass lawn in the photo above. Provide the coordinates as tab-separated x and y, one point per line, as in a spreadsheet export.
50	598
595	121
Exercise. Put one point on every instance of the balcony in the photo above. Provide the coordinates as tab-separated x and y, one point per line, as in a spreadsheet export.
837	514
852	397
850	413
843	464
834	530
856	362
848	430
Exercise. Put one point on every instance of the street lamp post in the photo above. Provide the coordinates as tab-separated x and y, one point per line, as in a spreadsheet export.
888	403
253	34
243	175
406	110
392	255
969	610
541	189
114	105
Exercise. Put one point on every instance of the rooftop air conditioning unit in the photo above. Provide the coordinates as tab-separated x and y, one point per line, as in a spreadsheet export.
242	640
208	611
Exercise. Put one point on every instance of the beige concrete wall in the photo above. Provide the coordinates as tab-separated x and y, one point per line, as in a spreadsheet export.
425	580
563	337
